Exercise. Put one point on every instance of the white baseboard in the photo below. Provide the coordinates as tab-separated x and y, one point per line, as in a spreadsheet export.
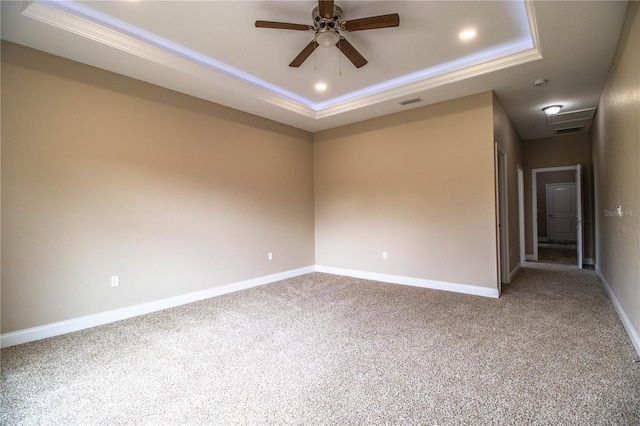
415	282
76	324
530	258
587	261
514	271
81	323
631	331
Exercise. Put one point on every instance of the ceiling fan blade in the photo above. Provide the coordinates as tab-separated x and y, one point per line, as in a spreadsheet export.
283	26
325	8
302	56
372	23
351	53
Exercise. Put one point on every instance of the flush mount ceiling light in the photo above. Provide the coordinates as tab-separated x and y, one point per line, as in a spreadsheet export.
321	87
552	109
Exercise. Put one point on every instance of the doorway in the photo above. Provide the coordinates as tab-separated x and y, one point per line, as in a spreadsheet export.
557	215
521	231
502	217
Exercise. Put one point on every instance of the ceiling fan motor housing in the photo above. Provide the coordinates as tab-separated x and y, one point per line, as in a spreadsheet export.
327	34
333	21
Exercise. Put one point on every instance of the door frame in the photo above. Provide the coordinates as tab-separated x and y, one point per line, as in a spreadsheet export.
502	212
521	227
534	206
579	216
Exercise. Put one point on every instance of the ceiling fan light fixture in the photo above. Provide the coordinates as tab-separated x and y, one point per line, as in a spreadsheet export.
327	26
552	109
328	37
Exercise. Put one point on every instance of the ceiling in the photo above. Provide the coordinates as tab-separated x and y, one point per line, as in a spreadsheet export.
212	50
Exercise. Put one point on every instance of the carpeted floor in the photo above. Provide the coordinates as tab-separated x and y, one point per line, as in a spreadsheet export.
323	349
566	253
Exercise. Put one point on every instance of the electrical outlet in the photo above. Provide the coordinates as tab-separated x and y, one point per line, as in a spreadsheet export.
115	281
270	256
384	255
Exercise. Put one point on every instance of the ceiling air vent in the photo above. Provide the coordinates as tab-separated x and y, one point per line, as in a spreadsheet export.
410	101
568	130
571	116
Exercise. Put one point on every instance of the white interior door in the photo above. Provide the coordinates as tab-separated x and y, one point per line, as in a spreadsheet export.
561	212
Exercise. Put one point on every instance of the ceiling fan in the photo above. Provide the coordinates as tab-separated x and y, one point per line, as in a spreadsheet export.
327	25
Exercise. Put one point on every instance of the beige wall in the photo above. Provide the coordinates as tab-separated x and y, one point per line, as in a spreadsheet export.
417	184
567	150
105	175
0	190
509	142
616	157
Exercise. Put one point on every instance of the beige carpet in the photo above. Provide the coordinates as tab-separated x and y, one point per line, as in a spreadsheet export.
566	253
322	349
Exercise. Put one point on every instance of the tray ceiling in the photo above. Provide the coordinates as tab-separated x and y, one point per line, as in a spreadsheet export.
212	50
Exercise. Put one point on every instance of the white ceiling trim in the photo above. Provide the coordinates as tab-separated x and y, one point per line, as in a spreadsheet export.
86	22
437	81
52	13
514	55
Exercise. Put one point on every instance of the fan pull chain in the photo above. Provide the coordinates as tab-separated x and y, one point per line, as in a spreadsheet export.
315	59
339	58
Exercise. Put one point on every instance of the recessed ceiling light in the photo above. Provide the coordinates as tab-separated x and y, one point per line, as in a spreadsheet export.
467	34
552	109
321	87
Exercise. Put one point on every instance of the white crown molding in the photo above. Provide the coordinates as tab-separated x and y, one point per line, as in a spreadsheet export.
206	69
533	25
433	82
59	18
507	61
